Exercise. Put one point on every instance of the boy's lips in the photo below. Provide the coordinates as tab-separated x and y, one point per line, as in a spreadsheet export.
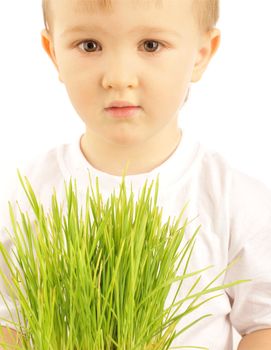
122	111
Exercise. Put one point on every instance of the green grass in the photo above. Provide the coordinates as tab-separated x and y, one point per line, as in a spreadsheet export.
96	276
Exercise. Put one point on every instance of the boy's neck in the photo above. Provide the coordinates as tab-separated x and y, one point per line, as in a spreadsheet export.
113	159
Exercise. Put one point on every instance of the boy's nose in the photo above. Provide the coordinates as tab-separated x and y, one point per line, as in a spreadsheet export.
119	83
120	74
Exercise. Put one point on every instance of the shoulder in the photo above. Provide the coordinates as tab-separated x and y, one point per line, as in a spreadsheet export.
46	165
245	200
44	173
249	190
241	188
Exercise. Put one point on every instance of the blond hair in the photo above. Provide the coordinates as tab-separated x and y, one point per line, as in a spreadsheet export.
206	12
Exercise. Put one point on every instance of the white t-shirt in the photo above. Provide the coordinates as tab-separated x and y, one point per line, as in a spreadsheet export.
233	209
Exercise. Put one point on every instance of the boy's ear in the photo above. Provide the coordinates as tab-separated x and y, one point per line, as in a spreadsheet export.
208	48
47	44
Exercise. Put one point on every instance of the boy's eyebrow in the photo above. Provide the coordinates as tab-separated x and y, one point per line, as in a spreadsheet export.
141	28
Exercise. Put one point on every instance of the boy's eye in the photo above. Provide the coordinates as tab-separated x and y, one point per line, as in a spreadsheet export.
90	46
87	46
151	46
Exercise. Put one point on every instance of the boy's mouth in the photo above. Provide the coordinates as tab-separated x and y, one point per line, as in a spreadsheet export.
122	111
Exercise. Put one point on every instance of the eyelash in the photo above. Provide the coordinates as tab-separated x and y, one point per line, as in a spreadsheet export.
149	40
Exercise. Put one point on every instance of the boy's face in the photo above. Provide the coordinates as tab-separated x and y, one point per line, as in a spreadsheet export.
124	61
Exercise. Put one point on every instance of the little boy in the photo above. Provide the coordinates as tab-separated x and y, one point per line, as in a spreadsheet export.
128	95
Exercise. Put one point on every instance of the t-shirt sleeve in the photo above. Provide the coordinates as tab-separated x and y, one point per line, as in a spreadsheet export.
250	239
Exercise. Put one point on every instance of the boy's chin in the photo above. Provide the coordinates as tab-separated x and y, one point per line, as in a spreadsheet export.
125	140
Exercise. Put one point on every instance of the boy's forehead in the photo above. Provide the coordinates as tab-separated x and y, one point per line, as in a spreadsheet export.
166	15
98	5
102	6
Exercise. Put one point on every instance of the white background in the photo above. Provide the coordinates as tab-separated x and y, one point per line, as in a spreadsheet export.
228	110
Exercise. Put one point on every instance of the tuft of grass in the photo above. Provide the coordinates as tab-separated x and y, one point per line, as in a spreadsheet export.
97	276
